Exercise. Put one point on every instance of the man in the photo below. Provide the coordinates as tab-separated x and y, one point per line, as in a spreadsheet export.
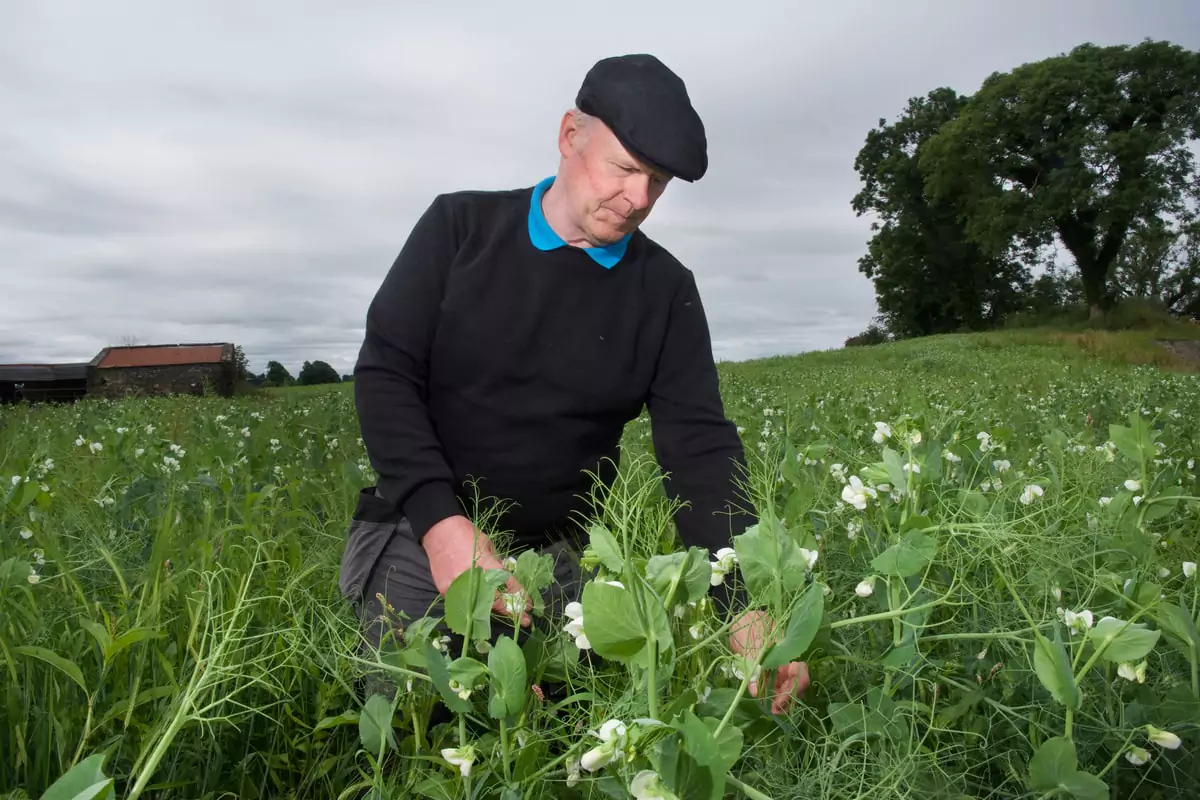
516	334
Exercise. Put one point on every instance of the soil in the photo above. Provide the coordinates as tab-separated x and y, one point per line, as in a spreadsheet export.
1186	349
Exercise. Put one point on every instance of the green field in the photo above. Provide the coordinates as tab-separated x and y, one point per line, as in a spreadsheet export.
170	619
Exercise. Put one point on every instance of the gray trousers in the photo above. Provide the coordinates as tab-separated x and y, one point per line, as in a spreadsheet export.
383	559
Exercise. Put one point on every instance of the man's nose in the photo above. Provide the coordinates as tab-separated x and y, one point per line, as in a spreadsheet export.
637	192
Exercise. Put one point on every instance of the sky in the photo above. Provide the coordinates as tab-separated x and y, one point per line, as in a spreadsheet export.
200	171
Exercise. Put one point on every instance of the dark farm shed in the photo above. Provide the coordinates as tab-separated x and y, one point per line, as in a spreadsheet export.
42	382
162	369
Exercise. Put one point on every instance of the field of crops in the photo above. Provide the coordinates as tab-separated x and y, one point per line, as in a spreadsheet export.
985	552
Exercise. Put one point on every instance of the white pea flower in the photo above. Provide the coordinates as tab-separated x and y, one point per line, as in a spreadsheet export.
838	471
80	442
509	563
809	556
912	467
574	611
953	459
1077	622
612	741
1057	592
856	494
34	578
914	437
1002	465
1031	491
696	631
1137	499
138	453
1104	501
95	447
461	757
514	603
647	785
1189	569
985	441
460	690
1130	672
1133	485
853	528
882	432
724	564
865	588
1164	739
25	533
1137	756
1164	572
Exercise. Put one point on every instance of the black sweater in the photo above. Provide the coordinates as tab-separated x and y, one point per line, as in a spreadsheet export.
488	359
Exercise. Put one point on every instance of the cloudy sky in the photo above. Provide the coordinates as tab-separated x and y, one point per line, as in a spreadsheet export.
247	171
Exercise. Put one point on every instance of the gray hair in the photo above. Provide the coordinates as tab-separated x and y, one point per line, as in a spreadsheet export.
584	123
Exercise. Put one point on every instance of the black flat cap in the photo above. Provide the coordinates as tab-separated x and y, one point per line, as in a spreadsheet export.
648	109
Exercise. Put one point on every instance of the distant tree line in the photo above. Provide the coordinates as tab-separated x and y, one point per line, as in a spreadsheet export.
1086	153
312	373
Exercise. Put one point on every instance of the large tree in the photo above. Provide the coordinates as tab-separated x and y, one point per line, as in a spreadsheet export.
1161	261
929	276
1083	145
315	372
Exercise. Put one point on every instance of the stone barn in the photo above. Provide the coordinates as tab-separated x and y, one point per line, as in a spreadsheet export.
162	369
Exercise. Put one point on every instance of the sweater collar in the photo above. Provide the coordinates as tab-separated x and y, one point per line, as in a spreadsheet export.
544	237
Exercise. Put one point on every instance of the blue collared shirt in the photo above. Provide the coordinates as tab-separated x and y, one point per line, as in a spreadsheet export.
544	237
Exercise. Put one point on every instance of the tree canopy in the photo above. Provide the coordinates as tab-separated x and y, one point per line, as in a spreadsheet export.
929	275
315	372
1086	146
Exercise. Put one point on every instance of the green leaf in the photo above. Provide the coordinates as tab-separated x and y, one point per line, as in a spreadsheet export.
1179	627
1134	443
769	561
1085	786
729	744
895	469
909	556
691	569
607	549
128	639
375	725
1053	668
1053	762
84	781
64	666
1124	642
680	771
611	622
469	604
348	718
535	571
506	663
99	633
803	623
467	671
699	743
440	675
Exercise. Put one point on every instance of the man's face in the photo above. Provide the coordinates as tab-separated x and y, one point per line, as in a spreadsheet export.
612	191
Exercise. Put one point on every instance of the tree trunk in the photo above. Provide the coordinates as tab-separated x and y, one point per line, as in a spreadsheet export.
1097	312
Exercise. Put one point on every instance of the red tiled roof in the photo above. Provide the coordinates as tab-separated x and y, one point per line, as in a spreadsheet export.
168	355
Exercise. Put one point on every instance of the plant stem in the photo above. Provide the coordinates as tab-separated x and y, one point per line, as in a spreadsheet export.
751	670
749	791
1067	725
842	623
652	688
504	749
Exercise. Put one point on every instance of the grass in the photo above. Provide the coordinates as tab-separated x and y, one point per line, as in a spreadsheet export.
168	599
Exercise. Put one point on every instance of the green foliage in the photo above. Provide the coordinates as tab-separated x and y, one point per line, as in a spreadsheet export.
313	373
1082	146
277	375
186	623
929	276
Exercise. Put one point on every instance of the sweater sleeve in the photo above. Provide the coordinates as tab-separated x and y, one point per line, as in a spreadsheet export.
697	447
391	376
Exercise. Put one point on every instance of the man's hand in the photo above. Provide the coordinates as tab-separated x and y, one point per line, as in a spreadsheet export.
451	544
747	638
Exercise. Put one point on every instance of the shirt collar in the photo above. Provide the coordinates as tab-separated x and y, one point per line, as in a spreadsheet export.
544	237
